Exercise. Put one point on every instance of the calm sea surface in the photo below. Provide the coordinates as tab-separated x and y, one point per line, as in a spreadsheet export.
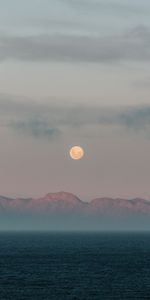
79	266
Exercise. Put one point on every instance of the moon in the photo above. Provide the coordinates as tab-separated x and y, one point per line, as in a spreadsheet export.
76	152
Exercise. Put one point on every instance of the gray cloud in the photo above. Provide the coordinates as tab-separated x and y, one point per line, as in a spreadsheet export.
111	5
137	118
131	46
36	128
52	23
49	120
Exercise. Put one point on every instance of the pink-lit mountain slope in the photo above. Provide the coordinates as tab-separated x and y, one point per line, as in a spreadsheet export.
66	202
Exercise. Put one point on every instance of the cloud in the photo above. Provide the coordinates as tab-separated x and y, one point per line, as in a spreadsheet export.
49	121
133	45
136	118
112	5
27	117
36	128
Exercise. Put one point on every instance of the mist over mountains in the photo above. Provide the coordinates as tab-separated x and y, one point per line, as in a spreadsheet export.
65	211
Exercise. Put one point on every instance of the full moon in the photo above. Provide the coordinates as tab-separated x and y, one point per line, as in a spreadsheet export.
76	152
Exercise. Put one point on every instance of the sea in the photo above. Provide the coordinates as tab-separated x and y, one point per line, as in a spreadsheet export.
74	265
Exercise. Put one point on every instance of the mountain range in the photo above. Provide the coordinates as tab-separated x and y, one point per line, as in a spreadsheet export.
66	202
64	210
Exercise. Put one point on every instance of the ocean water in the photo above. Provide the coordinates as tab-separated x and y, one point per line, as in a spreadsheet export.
79	266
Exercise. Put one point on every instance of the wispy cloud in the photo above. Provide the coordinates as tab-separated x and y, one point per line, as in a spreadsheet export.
130	46
112	5
49	121
36	128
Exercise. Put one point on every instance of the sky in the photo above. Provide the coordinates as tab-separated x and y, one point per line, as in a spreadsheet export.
75	72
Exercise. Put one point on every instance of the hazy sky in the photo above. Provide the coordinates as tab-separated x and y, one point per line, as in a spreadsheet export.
75	72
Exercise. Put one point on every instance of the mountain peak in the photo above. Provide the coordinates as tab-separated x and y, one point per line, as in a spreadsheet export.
65	196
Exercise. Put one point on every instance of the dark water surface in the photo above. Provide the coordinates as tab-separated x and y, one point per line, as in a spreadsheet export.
81	266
